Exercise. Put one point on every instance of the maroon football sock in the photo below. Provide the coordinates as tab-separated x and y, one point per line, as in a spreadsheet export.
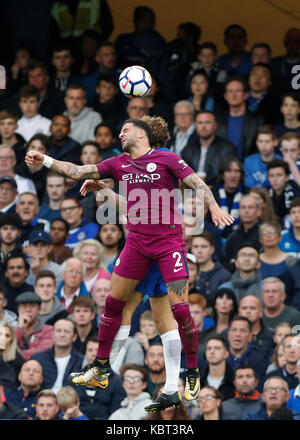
109	325
188	333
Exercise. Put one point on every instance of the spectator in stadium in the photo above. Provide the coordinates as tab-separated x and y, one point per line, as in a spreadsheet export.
7	410
210	404
83	119
275	395
246	397
247	278
62	62
273	261
290	241
290	150
55	193
39	248
32	335
63	147
59	231
291	353
198	304
106	65
8	195
90	153
8	135
10	230
261	53
51	308
212	274
156	104
80	228
11	360
83	314
218	373
283	190
207	56
290	109
262	98
46	406
256	174
184	126
90	252
205	151
261	194
36	173
278	359
31	122
51	102
28	208
7	164
224	308
108	102
155	362
134	380
284	64
237	124
237	61
16	270
247	231
241	351
69	402
275	310
294	401
251	307
62	358
99	404
99	293
106	138
112	239
6	316
200	91
72	284
24	397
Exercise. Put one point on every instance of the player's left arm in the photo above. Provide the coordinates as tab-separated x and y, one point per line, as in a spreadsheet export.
219	217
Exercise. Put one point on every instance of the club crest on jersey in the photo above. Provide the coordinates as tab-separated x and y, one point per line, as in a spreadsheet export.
117	262
151	167
81	235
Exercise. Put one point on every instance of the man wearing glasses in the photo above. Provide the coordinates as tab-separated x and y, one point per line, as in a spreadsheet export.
184	126
275	395
134	379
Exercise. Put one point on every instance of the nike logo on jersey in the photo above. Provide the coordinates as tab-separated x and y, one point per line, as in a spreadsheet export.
125	166
177	269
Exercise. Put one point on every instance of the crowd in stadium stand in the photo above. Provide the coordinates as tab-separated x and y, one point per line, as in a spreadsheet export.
234	118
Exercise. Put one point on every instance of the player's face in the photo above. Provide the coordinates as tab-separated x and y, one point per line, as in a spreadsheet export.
128	137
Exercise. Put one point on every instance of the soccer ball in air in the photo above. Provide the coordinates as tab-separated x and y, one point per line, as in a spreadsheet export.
135	81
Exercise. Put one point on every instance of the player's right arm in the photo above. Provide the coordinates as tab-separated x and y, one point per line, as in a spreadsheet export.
65	169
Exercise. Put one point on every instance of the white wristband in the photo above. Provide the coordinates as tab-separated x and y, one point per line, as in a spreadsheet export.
48	161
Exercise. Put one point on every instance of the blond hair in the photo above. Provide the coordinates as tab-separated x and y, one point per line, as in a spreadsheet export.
89	242
10	352
67	397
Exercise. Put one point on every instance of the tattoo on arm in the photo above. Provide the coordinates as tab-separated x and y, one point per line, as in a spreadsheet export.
195	182
76	172
178	286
